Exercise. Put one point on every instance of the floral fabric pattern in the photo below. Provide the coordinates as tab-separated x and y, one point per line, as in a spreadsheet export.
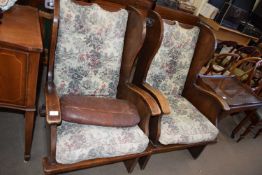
89	49
170	66
77	142
168	73
185	124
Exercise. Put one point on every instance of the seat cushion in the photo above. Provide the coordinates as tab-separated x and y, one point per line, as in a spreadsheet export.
185	124
98	111
89	49
77	142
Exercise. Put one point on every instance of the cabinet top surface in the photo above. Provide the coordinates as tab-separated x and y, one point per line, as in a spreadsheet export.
20	28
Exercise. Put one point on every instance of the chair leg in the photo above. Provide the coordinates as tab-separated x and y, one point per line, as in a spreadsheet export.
49	174
45	164
258	132
143	161
239	126
42	111
130	164
207	71
245	132
196	151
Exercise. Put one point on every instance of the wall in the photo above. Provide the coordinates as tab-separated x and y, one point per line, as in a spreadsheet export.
199	4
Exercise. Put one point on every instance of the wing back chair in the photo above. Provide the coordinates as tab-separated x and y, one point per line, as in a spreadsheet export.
94	114
168	69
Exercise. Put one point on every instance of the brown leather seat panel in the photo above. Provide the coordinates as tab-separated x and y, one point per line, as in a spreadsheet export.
98	111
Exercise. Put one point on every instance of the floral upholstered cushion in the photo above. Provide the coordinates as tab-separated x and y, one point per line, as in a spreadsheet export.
89	49
77	142
168	72
185	124
170	66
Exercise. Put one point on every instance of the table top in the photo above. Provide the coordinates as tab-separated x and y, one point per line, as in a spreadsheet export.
20	28
231	90
214	25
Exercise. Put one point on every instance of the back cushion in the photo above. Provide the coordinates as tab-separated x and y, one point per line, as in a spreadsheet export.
89	49
169	68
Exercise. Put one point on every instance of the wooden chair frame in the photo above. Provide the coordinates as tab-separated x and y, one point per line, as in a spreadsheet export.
146	105
218	60
249	72
206	102
250	51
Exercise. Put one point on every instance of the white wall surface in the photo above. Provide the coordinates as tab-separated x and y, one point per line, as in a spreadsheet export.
199	4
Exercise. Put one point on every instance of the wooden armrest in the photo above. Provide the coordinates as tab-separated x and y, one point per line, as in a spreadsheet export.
145	104
138	96
46	15
221	101
161	99
53	112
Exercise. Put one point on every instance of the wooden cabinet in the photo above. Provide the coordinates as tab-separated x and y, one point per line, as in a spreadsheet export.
13	65
20	48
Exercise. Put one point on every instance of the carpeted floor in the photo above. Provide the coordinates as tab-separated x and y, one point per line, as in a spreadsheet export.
224	158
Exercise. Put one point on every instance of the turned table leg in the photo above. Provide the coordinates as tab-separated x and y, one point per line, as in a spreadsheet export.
29	126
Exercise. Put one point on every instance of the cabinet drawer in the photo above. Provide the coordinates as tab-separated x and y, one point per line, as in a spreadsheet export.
13	70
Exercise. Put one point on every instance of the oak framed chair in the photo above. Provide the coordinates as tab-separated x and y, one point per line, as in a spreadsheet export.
94	114
171	80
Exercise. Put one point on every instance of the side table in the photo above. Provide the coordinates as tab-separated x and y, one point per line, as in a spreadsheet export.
20	48
232	92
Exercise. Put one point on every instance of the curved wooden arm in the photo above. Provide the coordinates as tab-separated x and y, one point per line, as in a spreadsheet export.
161	99
222	102
146	105
53	112
138	96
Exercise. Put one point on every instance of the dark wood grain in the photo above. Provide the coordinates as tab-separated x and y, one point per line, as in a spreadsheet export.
13	62
20	48
20	29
